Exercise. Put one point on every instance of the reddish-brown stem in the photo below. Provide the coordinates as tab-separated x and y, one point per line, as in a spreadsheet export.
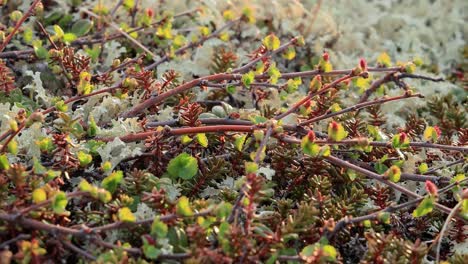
49	201
18	24
423	145
246	67
392	208
378	144
184	131
382	179
312	95
226	77
78	250
179	89
359	106
45	33
5	145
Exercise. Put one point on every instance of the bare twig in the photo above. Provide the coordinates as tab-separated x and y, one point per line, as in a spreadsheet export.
116	27
14	240
78	250
18	24
359	106
438	240
246	67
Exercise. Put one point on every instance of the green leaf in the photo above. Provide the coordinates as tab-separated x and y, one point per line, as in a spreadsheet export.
159	228
309	147
59	203
384	60
423	168
183	207
400	141
13	147
125	215
104	195
274	73
336	131
151	251
464	208
84	158
223	210
271	42
231	89
290	53
393	173
85	186
183	166
38	168
112	181
58	32
330	251
308	250
384	217
52	174
129	4
425	207
92	128
293	84
325	151
185	139
258	119
61	106
248	78
430	134
251	167
239	141
39	195
39	50
4	163
202	139
82	27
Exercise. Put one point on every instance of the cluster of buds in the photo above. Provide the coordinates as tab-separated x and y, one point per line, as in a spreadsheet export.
7	81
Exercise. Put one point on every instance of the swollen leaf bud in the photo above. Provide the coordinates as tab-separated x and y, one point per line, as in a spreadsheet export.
431	188
325	56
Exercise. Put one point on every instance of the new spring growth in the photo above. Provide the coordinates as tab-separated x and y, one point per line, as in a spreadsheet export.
311	136
363	64
431	188
336	131
400	140
324	63
325	56
393	173
306	109
361	69
315	84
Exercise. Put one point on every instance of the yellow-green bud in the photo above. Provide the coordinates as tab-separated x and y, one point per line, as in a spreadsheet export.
16	15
